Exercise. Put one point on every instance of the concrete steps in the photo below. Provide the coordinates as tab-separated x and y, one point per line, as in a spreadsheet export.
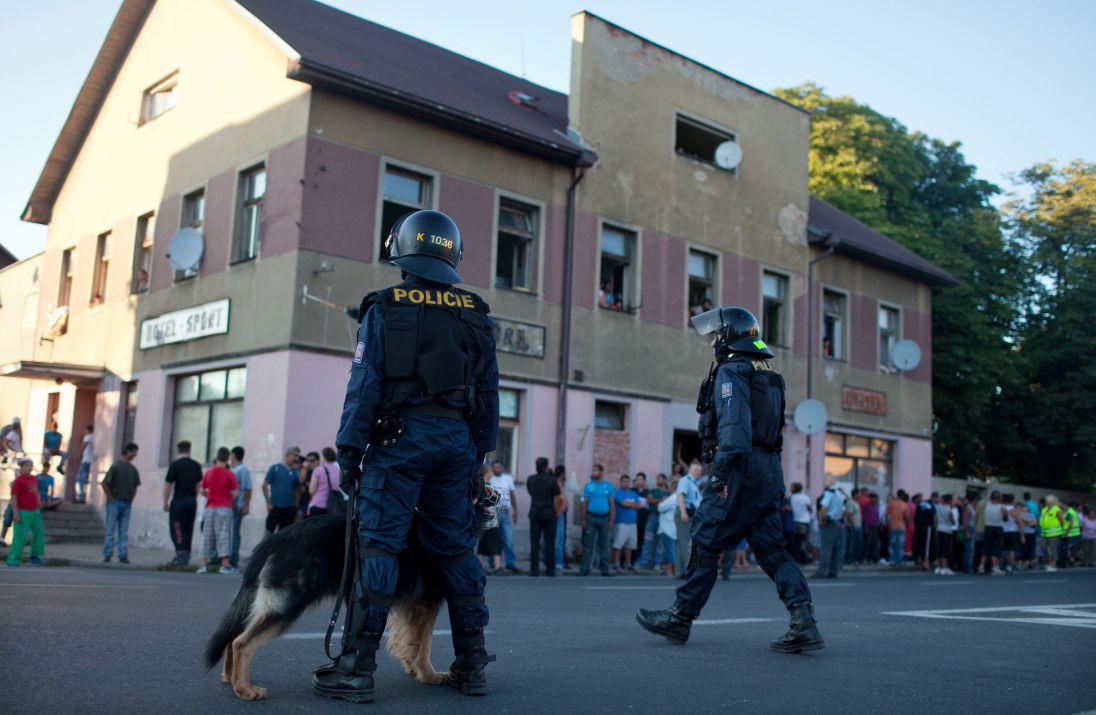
72	523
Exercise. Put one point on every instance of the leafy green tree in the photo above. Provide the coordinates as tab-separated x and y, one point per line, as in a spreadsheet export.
924	194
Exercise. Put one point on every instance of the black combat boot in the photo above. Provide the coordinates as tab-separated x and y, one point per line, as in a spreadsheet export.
468	669
802	634
669	623
350	677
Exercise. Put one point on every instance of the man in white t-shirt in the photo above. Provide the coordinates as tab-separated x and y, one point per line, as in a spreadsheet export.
508	512
947	521
86	459
801	515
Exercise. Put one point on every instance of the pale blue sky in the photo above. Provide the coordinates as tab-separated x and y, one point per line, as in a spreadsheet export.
1013	81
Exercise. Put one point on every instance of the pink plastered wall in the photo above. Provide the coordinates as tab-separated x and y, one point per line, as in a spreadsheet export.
863	331
663	298
338	213
472	207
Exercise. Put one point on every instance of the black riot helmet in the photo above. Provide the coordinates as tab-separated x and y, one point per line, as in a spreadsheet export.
737	331
427	244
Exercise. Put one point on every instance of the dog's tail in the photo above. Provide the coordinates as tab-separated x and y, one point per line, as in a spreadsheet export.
232	625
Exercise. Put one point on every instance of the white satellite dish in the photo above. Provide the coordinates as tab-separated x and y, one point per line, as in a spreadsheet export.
906	355
728	155
185	249
810	417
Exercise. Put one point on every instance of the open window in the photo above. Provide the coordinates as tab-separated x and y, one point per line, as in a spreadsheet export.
404	192
616	286
699	141
515	262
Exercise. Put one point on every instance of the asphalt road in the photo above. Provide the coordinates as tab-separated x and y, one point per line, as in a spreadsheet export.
97	641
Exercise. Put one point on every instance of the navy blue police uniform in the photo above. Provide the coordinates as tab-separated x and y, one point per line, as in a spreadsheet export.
425	357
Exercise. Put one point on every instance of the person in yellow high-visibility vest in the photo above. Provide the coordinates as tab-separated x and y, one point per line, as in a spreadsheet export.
1071	540
1050	524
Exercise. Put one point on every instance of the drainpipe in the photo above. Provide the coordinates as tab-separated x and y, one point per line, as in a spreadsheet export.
830	242
565	330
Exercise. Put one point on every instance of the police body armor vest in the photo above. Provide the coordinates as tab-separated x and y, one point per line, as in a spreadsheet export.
766	409
436	343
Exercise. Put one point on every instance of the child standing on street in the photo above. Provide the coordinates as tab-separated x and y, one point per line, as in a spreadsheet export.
27	517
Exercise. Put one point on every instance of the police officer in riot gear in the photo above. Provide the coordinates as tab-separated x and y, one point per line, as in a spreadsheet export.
421	412
741	406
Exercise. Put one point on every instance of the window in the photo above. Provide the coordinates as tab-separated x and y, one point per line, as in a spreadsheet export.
506	446
404	192
699	141
129	421
609	415
159	98
515	264
249	201
209	411
64	295
833	325
102	266
860	462
617	255
192	215
889	330
701	281
774	298
142	253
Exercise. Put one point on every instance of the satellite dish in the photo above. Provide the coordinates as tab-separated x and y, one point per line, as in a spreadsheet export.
184	251
906	355
728	155
810	417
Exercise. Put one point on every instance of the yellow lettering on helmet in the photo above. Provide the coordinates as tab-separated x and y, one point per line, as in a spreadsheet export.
449	299
419	237
430	295
415	296
398	294
466	301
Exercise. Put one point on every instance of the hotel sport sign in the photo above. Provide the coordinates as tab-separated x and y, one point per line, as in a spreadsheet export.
182	325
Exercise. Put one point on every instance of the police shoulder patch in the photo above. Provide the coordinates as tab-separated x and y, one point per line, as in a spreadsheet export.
725	390
359	352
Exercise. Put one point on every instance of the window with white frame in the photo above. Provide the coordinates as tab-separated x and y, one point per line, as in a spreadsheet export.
404	191
702	267
159	98
102	268
889	332
617	276
64	293
249	205
833	325
142	253
209	411
192	216
516	252
774	308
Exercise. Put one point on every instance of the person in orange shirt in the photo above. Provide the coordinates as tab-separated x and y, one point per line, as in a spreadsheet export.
897	520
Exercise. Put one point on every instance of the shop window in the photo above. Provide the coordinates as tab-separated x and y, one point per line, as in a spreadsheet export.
774	308
506	446
249	205
129	419
699	141
404	192
702	271
515	263
142	253
833	325
889	330
609	415
860	462
617	289
102	269
159	98
209	409
192	216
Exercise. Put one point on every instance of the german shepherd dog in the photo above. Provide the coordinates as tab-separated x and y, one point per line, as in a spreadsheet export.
300	566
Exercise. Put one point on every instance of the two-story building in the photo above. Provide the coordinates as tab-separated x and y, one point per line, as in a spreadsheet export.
292	136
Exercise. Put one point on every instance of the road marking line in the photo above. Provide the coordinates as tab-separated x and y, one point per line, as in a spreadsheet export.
631	588
729	621
815	585
946	583
313	636
993	609
1046	580
1061	615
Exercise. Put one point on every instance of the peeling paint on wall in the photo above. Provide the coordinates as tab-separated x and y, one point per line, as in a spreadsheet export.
793	224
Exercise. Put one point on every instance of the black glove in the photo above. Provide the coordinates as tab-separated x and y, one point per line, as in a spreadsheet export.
716	485
350	468
478	484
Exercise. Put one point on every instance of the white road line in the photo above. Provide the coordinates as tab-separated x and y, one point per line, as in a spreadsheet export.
1060	615
631	588
730	621
1046	580
992	609
946	583
315	636
845	584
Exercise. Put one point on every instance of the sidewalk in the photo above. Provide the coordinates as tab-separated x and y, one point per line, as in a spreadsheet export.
91	555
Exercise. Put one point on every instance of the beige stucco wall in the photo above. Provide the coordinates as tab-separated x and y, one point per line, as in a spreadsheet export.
233	104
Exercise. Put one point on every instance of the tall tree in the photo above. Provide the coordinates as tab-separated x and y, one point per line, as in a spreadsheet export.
924	194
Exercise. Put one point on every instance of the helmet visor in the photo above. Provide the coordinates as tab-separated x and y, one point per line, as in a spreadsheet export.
708	322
